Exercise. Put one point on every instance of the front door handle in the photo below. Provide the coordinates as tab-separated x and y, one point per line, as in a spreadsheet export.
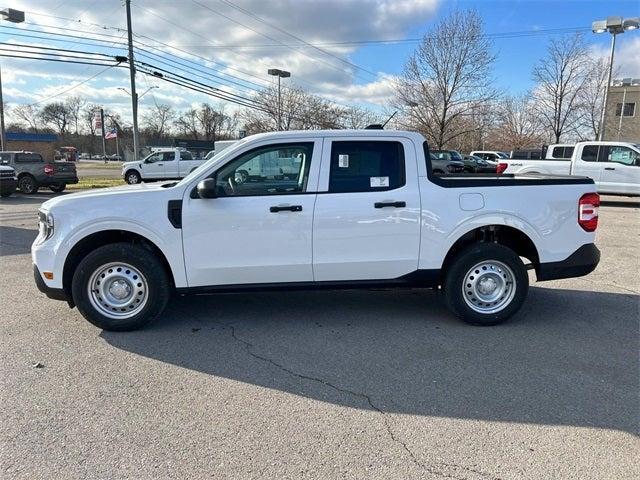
159	164
390	204
609	168
290	208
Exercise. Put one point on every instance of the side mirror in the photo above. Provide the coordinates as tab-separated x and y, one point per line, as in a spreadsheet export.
208	188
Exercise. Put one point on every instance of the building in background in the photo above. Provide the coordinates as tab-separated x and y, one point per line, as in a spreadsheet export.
42	143
622	117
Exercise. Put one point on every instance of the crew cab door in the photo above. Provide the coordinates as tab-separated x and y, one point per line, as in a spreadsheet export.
171	162
621	172
258	230
153	166
585	162
186	163
366	223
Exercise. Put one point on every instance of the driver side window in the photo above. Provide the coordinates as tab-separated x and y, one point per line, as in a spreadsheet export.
154	158
270	170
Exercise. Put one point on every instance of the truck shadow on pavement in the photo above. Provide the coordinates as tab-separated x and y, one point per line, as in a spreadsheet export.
569	358
16	240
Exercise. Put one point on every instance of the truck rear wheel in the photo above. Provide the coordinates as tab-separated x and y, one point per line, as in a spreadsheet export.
486	284
120	287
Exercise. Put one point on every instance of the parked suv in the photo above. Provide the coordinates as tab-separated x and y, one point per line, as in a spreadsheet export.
8	181
34	172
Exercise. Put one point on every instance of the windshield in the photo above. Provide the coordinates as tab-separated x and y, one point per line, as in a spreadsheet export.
210	155
502	155
455	155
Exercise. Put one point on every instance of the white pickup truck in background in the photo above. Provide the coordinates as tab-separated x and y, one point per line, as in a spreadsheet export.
614	166
162	164
363	209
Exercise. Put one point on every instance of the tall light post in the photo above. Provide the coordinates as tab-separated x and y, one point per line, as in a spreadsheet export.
280	74
615	26
14	16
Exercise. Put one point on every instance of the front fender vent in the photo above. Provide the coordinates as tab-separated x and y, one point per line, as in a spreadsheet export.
174	212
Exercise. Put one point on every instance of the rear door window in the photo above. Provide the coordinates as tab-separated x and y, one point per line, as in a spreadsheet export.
590	153
366	166
29	158
186	156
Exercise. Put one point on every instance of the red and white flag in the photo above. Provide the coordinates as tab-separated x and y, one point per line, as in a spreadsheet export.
113	133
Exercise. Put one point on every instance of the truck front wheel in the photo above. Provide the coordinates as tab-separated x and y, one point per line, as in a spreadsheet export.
120	287
132	177
486	284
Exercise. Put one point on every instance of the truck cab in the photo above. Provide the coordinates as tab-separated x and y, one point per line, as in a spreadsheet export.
161	164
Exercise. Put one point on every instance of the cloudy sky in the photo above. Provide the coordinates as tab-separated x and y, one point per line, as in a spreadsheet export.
230	44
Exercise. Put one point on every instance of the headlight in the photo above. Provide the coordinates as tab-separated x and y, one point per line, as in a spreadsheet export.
45	226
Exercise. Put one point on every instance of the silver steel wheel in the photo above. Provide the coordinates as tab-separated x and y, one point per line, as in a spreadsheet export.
489	287
132	178
117	290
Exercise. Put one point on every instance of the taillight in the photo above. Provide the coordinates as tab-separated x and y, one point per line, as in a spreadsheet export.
588	211
48	169
501	167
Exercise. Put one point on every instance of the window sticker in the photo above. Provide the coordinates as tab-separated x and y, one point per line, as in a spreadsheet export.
343	161
378	182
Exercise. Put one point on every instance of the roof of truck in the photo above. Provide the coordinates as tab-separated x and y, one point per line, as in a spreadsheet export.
336	133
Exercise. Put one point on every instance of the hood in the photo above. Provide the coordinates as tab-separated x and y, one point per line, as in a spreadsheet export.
73	198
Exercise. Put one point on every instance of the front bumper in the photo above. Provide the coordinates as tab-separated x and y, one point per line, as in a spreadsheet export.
581	262
54	293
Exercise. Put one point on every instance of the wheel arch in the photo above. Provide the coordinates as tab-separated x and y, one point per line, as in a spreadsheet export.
106	237
511	237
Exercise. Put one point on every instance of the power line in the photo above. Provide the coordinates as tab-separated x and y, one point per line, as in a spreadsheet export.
57	60
315	59
64	38
261	20
74	87
22	45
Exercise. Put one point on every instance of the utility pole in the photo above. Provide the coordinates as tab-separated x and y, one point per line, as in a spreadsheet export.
606	88
104	146
132	73
2	136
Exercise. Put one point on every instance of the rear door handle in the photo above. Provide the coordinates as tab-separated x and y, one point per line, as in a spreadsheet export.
609	168
290	208
390	204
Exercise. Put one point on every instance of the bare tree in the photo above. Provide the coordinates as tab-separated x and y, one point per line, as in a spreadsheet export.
447	77
560	77
74	105
88	115
214	123
301	110
157	120
358	117
592	96
56	115
187	124
517	126
28	114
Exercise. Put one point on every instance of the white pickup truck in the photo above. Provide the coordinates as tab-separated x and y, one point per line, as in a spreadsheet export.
162	164
614	166
364	210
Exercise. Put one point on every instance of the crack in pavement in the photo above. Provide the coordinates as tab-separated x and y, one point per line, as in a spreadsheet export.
430	469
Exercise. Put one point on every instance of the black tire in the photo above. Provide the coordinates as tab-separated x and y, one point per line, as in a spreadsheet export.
27	184
132	177
58	188
152	270
457	276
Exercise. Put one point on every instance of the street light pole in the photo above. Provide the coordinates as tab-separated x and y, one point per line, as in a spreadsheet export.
132	74
615	26
280	74
606	87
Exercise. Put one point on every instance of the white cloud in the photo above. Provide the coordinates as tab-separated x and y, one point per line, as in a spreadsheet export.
626	61
215	34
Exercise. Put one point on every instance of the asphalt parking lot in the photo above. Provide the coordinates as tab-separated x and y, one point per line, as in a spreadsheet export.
362	384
